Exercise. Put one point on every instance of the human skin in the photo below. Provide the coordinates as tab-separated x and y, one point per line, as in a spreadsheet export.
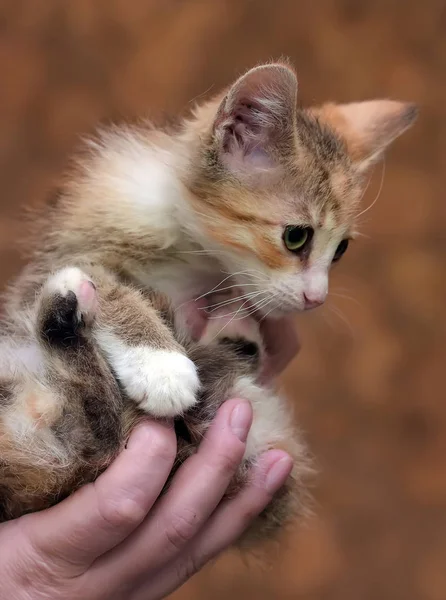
116	539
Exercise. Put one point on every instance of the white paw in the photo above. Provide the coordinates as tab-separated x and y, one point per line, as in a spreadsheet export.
72	279
162	382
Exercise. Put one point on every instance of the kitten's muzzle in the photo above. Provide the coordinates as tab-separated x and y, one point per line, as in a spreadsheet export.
313	301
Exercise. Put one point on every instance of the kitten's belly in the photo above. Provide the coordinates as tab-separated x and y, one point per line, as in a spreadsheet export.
27	355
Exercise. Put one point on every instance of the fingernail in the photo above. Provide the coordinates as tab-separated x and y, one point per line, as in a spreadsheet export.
143	433
241	419
278	474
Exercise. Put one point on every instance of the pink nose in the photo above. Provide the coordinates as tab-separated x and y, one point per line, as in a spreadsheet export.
313	301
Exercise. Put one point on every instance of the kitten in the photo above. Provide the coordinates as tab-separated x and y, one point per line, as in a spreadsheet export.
243	210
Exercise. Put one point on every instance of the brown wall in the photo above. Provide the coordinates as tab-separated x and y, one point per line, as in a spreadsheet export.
369	383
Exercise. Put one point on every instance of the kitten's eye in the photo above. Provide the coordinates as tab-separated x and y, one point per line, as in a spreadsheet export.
296	238
340	250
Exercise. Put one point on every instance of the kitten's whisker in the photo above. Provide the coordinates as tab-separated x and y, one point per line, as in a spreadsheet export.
357	234
225	325
249	308
217	287
214	288
326	319
226	288
262	303
194	100
335	295
180	306
230	301
250	273
377	195
229	287
257	306
252	312
342	318
264	316
368	184
210	252
242	312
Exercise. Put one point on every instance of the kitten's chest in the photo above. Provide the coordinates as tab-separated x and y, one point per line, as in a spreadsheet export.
185	285
182	282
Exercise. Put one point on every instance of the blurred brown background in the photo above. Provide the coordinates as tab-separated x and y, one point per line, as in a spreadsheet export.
369	383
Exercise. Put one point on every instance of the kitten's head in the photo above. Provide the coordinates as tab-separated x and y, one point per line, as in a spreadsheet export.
276	188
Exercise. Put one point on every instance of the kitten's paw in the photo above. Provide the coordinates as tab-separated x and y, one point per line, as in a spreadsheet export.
162	382
71	281
68	304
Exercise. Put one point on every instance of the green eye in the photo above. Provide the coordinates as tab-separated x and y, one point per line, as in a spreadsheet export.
296	238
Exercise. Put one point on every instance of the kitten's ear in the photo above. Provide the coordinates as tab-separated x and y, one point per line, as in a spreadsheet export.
257	118
368	127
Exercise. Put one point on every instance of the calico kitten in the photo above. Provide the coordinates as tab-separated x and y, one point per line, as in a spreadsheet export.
244	209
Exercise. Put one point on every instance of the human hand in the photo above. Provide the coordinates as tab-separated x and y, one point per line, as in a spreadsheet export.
281	343
115	539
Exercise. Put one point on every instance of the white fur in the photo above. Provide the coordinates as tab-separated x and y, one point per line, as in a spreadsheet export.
18	358
141	178
162	382
65	280
72	279
271	418
315	281
182	281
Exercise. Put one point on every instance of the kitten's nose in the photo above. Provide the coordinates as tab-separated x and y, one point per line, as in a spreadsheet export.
315	287
313	300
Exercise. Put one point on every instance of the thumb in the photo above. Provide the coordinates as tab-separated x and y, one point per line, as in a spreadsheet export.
102	514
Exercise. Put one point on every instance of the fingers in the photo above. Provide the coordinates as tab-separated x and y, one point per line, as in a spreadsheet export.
102	514
224	528
196	490
282	344
232	517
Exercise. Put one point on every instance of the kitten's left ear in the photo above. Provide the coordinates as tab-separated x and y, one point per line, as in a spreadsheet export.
368	127
256	119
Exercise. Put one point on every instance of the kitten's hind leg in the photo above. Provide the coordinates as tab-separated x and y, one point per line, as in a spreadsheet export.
61	409
65	325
